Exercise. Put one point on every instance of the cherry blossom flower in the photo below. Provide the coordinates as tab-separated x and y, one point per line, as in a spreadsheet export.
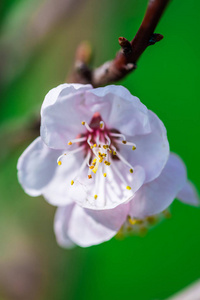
97	148
103	158
86	227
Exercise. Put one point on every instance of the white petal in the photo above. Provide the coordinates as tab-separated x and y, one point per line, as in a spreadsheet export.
36	167
120	110
188	194
152	150
77	226
59	191
157	195
52	96
111	190
62	114
61	222
111	218
39	173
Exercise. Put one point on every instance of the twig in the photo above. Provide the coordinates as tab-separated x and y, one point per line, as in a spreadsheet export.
126	59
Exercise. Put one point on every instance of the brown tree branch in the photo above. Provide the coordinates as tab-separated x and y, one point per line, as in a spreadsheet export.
126	59
124	62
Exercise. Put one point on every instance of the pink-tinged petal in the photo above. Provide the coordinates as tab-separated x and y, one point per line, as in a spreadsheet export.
152	150
120	110
61	222
111	218
66	89
62	114
77	226
59	191
39	173
36	167
188	194
155	196
111	190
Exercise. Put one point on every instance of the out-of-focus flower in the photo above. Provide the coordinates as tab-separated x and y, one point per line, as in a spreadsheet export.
86	227
97	148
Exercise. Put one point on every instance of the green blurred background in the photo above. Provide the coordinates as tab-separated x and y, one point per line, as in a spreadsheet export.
38	40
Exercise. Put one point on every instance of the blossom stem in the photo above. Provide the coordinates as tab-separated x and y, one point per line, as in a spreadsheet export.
126	59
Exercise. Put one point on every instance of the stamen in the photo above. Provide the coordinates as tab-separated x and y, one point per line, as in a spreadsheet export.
68	153
88	141
89	176
128	187
126	143
124	161
108	139
95	197
131	170
104	174
101	125
82	166
96	166
72	182
97	139
82	139
118	135
131	221
87	126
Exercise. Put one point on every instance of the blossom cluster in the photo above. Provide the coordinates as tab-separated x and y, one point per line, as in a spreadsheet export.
103	159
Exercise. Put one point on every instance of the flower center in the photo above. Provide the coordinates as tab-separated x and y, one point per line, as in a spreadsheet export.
100	148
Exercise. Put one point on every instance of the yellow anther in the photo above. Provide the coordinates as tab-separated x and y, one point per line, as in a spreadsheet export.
94	161
108	164
133	148
114	153
95	197
128	187
91	167
72	182
104	174
110	151
124	142
131	170
91	147
101	125
69	143
100	160
89	176
96	167
83	123
94	145
132	221
59	163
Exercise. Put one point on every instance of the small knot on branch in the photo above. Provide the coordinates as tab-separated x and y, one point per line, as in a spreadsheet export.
156	37
129	67
82	72
125	45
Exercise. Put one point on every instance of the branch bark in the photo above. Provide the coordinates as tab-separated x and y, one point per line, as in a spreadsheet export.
126	59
